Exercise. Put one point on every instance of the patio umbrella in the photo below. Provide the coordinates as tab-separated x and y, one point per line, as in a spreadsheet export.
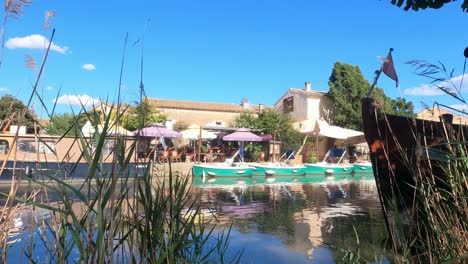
193	132
242	135
157	131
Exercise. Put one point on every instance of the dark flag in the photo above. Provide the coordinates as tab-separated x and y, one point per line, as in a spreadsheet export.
389	69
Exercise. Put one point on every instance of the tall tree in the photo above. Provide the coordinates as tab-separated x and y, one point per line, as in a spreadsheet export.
9	105
347	87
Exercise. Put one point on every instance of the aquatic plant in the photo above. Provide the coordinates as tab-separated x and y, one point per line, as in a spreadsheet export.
117	213
430	226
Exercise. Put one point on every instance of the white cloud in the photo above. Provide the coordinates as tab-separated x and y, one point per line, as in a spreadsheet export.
432	90
49	88
457	82
423	90
3	89
34	41
461	107
88	67
77	100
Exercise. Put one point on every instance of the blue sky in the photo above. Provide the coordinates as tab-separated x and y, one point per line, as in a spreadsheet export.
223	51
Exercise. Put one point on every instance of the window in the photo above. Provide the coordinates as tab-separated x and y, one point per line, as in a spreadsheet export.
107	147
288	105
4	146
45	147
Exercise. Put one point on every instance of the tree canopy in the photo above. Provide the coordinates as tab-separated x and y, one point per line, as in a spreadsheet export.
66	124
9	105
348	86
142	115
271	122
423	4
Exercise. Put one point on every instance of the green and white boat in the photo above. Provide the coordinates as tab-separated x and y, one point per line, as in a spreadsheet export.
222	169
362	167
330	168
276	168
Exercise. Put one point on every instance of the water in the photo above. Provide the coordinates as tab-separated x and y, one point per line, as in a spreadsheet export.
305	219
300	219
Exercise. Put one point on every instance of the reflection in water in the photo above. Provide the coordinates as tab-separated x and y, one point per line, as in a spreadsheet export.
300	219
295	219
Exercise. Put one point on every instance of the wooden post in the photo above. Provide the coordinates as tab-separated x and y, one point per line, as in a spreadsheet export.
199	144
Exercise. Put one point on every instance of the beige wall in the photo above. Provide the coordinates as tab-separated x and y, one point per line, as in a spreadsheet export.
201	118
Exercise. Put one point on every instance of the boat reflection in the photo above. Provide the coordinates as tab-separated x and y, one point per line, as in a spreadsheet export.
298	216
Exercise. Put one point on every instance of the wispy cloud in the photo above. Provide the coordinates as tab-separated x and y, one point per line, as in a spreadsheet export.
456	83
34	41
77	100
88	67
423	90
3	89
49	88
461	107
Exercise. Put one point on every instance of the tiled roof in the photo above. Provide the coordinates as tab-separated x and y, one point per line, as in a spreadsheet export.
202	106
309	93
302	91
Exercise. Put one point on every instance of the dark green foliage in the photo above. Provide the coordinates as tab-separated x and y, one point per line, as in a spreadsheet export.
347	87
65	124
276	124
9	105
423	4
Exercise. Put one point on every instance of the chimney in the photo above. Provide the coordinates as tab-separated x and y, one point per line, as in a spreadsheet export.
307	87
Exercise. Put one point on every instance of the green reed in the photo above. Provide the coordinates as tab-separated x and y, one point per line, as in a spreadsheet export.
434	228
111	216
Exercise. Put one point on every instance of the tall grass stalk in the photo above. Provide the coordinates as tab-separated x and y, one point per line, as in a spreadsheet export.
116	213
434	227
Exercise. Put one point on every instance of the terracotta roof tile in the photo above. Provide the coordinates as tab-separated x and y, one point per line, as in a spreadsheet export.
203	106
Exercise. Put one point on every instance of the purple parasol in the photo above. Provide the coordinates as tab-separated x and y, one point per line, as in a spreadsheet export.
157	131
242	134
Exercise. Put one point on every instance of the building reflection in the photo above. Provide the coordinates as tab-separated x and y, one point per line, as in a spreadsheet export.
303	216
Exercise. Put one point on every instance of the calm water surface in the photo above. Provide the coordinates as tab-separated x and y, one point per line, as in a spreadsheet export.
302	219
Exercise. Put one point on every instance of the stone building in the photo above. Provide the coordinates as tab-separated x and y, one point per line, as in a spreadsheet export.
435	113
203	113
305	106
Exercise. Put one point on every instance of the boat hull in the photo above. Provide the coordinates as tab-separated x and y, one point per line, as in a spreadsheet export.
399	144
329	168
362	167
275	169
221	170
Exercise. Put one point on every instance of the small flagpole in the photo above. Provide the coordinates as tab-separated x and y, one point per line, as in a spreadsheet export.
378	75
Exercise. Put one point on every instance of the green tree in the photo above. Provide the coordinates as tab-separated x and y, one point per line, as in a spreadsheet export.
347	87
142	115
271	122
66	124
280	126
9	105
423	4
402	107
246	119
